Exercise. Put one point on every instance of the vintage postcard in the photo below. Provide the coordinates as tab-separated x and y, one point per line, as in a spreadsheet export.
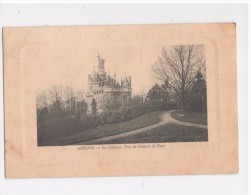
120	100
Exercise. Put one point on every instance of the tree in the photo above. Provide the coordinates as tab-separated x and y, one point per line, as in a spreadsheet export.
178	66
42	109
199	94
69	99
94	106
136	106
136	101
42	99
143	93
158	92
164	95
154	93
55	94
82	107
199	86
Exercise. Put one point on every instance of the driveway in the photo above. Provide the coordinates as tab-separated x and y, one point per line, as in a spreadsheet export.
165	117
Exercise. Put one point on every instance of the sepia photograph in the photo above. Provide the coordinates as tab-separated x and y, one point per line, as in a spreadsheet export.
124	96
113	95
113	103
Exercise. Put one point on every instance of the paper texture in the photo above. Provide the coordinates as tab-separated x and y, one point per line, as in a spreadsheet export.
36	58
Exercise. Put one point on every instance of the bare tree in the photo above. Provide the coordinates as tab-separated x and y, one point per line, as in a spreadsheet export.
42	99
178	66
80	95
83	104
69	99
56	95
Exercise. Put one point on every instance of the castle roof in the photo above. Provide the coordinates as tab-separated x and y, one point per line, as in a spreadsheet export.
105	79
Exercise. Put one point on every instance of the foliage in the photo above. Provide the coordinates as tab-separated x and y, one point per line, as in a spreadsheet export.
158	92
198	100
178	65
66	130
94	106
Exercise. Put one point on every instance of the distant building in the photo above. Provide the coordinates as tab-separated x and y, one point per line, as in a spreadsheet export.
106	90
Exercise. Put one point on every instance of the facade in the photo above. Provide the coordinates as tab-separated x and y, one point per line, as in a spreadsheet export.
106	90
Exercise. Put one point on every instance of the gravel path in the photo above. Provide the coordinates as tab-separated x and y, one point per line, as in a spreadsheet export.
165	119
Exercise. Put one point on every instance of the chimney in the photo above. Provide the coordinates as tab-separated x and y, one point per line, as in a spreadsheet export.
130	82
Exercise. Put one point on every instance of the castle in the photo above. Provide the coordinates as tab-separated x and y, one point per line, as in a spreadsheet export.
106	90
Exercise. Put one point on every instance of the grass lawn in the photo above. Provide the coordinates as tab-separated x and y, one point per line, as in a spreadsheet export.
66	132
165	133
192	117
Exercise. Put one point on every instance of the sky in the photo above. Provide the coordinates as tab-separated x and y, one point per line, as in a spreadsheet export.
66	55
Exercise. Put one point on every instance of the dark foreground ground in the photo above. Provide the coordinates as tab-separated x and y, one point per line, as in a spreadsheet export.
165	133
67	131
191	117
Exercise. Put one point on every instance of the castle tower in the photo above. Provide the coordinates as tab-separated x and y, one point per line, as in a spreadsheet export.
101	68
105	88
